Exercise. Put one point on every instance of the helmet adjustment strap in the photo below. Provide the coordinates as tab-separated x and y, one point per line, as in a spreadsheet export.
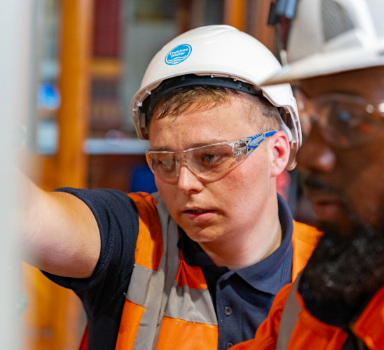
191	80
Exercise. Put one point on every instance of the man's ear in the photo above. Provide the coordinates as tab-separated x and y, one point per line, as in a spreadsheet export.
280	150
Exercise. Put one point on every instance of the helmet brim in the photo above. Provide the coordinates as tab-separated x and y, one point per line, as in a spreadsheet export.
330	63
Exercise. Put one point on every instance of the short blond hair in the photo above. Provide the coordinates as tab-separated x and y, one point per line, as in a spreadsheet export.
262	112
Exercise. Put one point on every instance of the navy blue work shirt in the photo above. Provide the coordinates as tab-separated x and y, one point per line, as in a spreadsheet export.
241	298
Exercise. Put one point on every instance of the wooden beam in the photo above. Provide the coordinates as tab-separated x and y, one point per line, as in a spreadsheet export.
53	316
261	31
235	13
183	9
75	91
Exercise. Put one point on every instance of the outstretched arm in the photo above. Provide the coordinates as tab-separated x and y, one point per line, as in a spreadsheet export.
58	231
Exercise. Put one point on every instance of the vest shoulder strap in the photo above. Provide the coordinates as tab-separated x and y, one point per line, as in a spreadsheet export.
304	239
156	265
289	317
149	245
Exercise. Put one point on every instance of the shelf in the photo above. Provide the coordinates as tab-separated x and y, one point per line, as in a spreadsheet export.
106	68
119	146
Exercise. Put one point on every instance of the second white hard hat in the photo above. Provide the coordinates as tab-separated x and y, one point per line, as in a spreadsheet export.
331	36
224	54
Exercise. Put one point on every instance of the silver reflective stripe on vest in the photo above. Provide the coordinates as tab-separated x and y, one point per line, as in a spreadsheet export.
144	290
171	256
146	285
139	290
192	305
289	317
160	294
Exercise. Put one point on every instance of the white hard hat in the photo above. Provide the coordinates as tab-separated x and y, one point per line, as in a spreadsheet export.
331	36
221	55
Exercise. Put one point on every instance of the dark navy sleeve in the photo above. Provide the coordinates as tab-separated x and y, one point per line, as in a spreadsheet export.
102	294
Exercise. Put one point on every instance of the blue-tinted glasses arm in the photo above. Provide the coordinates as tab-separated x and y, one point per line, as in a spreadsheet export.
253	142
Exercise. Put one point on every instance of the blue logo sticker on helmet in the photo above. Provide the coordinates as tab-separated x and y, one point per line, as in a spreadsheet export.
178	54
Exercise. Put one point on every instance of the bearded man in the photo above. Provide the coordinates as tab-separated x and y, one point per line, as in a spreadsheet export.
336	57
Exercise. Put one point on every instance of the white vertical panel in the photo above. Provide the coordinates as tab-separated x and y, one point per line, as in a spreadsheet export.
14	62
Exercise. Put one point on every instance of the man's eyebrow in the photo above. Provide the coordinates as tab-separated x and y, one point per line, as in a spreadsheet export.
193	145
160	149
201	144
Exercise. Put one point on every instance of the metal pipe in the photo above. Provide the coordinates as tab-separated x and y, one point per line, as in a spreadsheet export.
15	18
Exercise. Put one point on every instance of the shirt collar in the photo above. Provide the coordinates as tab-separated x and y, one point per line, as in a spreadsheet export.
268	275
275	271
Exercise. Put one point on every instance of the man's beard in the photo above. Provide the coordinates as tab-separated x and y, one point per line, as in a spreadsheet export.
344	271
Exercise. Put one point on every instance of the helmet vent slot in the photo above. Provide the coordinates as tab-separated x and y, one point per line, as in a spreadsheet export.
335	19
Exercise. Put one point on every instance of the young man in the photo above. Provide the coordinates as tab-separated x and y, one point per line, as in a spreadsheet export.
197	265
338	302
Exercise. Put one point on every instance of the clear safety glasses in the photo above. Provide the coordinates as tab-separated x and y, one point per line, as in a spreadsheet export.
210	162
344	120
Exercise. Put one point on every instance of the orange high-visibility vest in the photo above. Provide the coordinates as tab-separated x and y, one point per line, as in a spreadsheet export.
304	331
168	304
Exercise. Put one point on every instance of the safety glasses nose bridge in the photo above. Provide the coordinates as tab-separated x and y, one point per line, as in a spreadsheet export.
182	157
